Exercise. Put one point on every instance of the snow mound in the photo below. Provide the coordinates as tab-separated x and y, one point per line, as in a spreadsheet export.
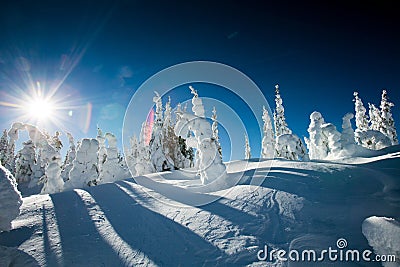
10	199
383	235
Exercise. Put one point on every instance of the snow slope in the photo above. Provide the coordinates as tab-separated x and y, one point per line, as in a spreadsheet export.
154	220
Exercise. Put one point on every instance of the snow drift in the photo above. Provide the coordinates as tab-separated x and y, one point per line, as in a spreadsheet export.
153	219
10	199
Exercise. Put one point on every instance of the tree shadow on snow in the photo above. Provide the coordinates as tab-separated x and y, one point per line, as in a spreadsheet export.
163	240
212	204
16	237
81	243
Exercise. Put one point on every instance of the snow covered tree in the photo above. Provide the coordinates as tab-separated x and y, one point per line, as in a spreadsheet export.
372	139
4	148
214	128
247	150
143	163
361	117
186	151
112	169
157	155
69	158
10	199
56	142
133	155
268	141
333	140
197	108
13	137
210	165
102	152
290	146
324	141
170	142
375	119
51	158
381	133
316	143
84	171
387	126
138	158
347	137
280	124
25	160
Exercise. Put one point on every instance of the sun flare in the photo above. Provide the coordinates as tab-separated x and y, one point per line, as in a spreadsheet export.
40	108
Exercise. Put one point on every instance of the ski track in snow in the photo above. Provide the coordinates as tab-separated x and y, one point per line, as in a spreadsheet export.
126	224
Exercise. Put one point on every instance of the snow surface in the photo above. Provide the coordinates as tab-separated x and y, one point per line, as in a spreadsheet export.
10	199
154	220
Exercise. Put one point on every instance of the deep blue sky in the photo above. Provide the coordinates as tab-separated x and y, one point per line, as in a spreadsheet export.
319	52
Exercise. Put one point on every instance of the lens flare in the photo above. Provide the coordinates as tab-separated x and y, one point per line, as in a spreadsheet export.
40	109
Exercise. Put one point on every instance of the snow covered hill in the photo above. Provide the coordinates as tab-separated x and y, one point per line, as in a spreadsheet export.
154	220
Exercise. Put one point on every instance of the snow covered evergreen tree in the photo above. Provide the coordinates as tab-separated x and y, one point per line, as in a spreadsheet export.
197	108
102	152
112	169
25	160
133	155
347	138
143	163
170	140
247	149
56	142
375	119
85	170
157	156
214	128
387	126
333	140
13	137
268	141
10	199
280	124
4	148
50	157
367	136
210	165
290	146
316	143
372	139
69	158
361	117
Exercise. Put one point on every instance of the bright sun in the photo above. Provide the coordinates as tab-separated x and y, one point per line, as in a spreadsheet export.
40	108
